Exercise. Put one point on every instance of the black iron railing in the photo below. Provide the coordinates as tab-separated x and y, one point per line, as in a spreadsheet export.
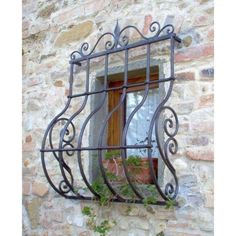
70	144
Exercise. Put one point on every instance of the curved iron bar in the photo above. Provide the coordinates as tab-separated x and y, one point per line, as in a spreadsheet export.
121	40
170	145
170	191
63	163
125	130
50	140
58	190
79	143
65	129
62	144
63	185
102	130
85	46
170	135
153	120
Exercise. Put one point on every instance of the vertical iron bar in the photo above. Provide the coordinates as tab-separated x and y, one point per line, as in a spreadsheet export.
71	79
100	142
172	46
79	143
124	134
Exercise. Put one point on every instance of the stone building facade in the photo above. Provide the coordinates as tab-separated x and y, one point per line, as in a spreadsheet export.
51	31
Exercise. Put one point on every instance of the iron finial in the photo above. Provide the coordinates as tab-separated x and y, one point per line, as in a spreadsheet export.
117	29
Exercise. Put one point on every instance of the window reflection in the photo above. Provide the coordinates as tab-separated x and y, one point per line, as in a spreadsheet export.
139	126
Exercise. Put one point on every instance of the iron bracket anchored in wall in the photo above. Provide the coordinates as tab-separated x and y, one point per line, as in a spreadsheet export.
69	138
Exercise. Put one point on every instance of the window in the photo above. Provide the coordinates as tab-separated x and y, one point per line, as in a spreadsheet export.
126	113
133	98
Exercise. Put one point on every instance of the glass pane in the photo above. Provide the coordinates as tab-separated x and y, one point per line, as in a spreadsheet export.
139	125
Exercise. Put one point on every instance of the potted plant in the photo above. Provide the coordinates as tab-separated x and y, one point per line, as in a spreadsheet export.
137	166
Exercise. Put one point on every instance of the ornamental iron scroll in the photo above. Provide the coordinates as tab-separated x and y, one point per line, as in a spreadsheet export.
69	143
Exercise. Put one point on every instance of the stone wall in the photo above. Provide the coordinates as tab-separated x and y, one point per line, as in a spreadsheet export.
51	31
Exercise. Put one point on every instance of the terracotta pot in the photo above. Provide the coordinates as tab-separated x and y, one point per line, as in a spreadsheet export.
141	174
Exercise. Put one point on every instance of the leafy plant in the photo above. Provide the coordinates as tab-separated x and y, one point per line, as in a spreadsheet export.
128	210
160	234
111	176
103	228
149	200
126	191
112	154
170	204
87	211
134	160
103	191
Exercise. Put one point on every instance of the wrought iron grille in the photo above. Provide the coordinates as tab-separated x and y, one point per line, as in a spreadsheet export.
69	137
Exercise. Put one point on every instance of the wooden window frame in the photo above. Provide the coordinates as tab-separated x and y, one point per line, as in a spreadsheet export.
117	120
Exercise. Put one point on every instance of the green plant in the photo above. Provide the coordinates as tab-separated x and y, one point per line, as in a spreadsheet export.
103	191
128	210
103	228
134	160
126	191
160	234
87	211
149	200
112	154
170	204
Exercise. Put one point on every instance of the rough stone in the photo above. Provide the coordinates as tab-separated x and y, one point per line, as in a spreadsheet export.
54	215
205	220
28	147
209	199
201	20
204	127
180	166
33	105
206	100
210	35
47	11
184	108
199	154
85	233
194	53
58	83
33	209
187	41
67	14
207	73
39	189
185	76
75	33
198	141
26	188
147	22
26	163
28	138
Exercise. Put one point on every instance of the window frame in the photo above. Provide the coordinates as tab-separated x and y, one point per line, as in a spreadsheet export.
117	120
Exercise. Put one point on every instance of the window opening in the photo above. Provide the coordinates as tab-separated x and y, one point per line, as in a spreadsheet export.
131	126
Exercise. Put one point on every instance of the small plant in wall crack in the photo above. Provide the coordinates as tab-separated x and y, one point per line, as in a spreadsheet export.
160	234
103	228
170	204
